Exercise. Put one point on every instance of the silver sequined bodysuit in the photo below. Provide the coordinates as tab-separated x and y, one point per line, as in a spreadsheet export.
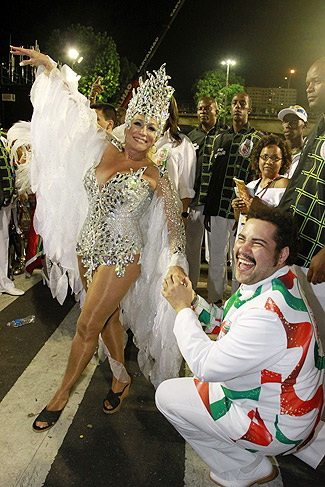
111	233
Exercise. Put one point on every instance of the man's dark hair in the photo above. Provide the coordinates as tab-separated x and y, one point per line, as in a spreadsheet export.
247	95
209	99
108	110
267	140
286	234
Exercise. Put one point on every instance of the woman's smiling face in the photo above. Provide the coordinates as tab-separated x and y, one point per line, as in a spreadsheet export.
142	134
270	161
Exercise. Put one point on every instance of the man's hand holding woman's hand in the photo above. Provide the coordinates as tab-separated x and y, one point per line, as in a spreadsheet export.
178	291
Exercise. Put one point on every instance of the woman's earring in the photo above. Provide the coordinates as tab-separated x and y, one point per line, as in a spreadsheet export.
153	149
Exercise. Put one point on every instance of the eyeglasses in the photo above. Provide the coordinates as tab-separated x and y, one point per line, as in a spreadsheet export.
265	158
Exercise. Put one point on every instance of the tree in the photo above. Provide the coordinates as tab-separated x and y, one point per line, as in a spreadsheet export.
128	71
100	57
213	83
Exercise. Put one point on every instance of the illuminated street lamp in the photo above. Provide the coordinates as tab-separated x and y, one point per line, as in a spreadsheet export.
74	55
227	63
291	72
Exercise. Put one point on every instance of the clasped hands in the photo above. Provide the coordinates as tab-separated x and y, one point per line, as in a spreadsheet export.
177	289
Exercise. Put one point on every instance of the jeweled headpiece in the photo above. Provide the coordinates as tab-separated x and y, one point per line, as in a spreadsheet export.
151	99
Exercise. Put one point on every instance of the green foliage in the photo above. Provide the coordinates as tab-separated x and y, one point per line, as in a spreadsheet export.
128	71
100	57
231	92
213	83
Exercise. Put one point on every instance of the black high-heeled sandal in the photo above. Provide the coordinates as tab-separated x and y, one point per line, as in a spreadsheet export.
49	417
115	399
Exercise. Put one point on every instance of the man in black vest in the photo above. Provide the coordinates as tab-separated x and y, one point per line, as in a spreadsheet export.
230	158
305	198
202	138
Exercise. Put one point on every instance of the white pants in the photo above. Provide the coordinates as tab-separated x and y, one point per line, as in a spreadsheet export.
178	400
5	282
220	241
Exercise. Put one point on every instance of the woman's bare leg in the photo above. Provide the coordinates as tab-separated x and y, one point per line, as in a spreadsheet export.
113	337
103	296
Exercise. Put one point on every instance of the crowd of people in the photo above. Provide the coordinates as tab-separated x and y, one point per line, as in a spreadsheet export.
137	200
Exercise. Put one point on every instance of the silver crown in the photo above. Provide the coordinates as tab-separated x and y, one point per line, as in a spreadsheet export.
151	99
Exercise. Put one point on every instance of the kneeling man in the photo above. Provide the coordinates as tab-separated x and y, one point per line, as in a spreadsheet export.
257	389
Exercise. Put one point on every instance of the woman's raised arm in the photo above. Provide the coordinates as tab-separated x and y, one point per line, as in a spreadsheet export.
35	58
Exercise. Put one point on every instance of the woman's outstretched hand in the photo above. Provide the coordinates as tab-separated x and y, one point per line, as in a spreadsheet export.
35	58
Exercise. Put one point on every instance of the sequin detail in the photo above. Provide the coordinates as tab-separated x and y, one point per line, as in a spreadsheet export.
151	99
175	226
111	233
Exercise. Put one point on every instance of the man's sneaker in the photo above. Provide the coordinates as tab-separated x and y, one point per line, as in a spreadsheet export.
14	291
260	472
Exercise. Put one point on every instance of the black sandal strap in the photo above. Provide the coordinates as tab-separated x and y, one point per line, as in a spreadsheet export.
114	398
48	417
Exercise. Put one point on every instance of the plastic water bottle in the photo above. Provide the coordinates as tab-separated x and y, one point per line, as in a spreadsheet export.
21	321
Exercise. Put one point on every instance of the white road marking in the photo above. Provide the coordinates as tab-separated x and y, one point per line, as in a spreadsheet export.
27	456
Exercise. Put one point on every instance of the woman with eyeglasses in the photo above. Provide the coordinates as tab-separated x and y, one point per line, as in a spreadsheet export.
272	157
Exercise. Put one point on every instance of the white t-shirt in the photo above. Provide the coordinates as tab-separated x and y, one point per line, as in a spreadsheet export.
270	197
180	162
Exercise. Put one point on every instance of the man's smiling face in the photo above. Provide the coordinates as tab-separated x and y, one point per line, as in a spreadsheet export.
256	255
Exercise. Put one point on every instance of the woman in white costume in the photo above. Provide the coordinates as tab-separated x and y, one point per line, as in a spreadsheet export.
122	186
176	151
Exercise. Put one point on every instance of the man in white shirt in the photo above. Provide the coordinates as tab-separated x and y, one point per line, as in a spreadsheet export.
258	389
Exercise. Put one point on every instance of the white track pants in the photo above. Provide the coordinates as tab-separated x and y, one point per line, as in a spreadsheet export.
179	401
221	241
5	282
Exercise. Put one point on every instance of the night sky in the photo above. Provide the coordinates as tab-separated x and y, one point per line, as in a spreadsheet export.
265	37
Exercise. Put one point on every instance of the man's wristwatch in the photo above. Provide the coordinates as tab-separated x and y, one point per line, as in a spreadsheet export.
185	214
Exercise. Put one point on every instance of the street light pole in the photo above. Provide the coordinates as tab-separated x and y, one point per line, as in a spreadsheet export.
227	63
291	72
